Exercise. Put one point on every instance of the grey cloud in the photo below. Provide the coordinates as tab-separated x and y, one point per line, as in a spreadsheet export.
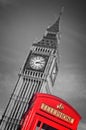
6	2
71	86
82	126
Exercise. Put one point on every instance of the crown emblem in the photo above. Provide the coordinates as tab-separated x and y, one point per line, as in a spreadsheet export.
60	106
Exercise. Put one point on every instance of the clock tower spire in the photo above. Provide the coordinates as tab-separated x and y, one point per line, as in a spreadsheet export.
38	75
54	29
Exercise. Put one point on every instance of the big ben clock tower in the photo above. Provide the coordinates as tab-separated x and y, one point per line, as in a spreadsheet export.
38	75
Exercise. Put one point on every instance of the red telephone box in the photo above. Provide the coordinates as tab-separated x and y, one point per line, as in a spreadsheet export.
48	112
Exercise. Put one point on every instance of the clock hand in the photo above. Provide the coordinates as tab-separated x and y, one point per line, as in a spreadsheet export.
38	62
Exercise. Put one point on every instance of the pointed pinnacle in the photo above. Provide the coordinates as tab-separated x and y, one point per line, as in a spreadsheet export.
61	12
55	27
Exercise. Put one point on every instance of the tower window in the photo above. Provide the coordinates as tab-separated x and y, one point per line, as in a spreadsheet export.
36	49
41	75
54	51
43	50
36	74
31	73
48	50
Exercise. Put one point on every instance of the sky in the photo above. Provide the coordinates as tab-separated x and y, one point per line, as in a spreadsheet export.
24	21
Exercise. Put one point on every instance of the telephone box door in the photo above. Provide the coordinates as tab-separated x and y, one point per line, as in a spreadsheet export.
41	123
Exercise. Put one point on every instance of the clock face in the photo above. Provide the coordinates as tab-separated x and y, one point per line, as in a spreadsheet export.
37	62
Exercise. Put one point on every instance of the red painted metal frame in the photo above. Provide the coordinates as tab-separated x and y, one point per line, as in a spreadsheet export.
35	114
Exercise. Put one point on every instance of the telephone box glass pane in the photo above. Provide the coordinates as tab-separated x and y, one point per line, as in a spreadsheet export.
44	127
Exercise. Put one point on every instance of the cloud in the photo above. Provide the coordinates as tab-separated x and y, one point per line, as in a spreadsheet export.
70	86
82	126
6	1
70	82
